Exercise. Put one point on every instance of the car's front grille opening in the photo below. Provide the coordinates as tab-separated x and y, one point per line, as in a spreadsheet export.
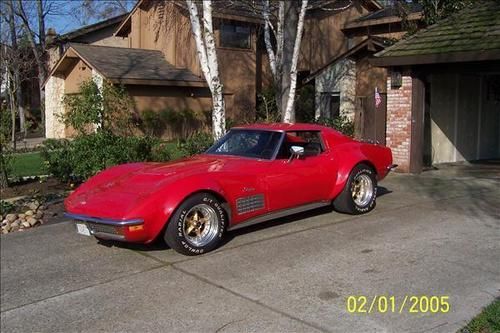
104	228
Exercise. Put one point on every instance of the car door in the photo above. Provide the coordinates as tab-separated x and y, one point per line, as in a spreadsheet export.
299	181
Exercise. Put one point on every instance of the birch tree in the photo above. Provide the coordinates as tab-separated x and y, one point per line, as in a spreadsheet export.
202	29
287	28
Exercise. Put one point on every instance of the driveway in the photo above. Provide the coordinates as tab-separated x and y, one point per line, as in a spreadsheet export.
434	234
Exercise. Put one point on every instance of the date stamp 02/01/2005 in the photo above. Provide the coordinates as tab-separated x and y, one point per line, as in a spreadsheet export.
401	304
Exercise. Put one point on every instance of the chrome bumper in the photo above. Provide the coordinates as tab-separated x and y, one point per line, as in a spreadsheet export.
391	167
104	228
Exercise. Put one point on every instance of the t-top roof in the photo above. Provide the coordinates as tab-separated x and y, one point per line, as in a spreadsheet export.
472	34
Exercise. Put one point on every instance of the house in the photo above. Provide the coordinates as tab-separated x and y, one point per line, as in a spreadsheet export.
347	82
160	68
443	90
100	33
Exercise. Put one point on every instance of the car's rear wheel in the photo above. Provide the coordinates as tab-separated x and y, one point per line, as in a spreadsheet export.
360	192
197	225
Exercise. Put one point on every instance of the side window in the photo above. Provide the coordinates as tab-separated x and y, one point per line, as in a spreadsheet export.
309	140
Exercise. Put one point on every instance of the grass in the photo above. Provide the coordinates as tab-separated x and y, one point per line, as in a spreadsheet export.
488	321
27	164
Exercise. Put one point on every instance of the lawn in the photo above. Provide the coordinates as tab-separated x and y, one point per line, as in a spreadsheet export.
488	321
27	164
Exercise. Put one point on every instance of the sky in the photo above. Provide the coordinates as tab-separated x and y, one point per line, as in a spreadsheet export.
69	15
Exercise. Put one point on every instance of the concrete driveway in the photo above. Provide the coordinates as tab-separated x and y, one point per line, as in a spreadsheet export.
434	234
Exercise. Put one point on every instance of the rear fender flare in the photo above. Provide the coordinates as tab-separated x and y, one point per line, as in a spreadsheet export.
345	168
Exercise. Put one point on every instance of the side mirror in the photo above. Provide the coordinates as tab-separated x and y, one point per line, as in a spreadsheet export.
295	151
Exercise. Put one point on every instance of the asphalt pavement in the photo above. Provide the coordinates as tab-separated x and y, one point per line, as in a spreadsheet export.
437	234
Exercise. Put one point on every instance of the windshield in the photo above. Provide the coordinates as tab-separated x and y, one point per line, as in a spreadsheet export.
248	143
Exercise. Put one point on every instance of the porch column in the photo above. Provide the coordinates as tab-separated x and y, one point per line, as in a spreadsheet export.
398	133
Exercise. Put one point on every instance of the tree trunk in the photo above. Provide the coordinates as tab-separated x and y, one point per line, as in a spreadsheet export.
42	70
37	48
289	115
4	179
289	34
207	55
15	68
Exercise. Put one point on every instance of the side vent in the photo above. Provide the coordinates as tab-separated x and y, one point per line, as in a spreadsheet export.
250	204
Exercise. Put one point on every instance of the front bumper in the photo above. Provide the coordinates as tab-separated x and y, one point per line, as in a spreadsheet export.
121	230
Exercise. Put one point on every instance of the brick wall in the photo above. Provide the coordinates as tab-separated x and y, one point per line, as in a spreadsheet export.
399	122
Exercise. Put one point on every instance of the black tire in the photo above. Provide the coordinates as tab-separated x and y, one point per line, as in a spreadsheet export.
176	235
345	201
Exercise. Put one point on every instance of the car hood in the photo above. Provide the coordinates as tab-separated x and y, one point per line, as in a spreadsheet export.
126	189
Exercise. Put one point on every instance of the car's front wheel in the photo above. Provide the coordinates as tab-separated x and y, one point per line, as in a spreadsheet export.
197	226
360	191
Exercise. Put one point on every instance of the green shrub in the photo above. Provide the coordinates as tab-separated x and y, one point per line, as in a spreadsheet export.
152	122
108	109
161	152
341	123
267	111
57	157
197	143
5	147
86	155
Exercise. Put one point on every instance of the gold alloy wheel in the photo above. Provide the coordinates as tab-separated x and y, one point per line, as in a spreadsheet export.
362	190
200	225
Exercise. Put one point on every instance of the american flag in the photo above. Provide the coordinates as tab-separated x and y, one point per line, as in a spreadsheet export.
378	99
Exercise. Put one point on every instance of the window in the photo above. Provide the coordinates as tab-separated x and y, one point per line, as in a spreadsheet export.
330	104
309	140
233	35
248	143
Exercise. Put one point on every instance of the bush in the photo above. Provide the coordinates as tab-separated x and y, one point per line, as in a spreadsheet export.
267	111
5	147
108	109
152	122
197	143
86	155
341	123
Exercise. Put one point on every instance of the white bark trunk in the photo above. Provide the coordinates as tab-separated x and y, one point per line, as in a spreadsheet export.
205	47
267	39
289	116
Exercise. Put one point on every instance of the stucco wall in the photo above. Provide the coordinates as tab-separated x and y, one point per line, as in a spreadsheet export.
54	92
340	77
76	76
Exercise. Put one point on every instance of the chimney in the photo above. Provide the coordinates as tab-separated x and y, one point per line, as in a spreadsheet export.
50	36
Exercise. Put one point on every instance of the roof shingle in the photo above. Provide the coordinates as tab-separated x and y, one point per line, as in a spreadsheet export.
474	29
117	63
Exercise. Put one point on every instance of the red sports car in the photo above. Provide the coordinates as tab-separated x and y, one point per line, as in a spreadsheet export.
253	174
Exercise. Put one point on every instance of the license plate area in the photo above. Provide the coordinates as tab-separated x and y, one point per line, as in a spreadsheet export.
82	229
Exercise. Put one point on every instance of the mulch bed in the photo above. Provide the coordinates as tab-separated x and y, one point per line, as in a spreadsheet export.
34	186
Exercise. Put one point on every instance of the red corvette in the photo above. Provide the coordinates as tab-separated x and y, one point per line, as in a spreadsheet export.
253	174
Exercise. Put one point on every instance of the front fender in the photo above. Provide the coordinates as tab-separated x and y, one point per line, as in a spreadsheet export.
159	206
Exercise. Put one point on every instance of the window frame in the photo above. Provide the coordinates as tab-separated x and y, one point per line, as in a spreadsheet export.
232	47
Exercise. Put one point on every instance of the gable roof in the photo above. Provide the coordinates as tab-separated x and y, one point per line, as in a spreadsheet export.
472	34
372	43
75	34
386	15
391	11
131	66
